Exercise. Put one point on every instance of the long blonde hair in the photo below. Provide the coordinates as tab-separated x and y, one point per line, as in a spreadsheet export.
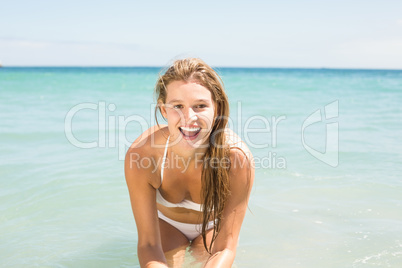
215	178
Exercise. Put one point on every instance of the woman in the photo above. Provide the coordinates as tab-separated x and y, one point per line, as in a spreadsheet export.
189	181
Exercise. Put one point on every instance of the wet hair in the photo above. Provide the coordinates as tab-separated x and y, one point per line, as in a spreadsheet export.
215	177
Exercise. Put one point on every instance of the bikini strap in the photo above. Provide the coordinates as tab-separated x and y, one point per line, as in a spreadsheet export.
164	158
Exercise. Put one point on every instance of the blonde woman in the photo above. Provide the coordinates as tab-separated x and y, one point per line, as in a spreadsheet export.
189	181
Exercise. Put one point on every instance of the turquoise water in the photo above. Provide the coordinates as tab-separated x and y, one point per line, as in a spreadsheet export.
63	205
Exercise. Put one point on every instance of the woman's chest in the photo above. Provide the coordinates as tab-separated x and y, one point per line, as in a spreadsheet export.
178	186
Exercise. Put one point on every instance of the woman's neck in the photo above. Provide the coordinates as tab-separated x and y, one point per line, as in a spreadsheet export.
186	157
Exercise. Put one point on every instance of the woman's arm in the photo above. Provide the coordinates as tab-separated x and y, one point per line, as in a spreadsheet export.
241	182
143	203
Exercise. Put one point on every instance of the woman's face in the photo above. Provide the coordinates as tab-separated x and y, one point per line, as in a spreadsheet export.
190	111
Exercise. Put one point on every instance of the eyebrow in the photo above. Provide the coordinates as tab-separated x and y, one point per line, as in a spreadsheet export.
198	100
175	100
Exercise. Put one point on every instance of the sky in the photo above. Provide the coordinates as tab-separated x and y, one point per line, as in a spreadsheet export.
302	34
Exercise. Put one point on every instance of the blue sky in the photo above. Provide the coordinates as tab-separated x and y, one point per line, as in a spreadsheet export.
331	34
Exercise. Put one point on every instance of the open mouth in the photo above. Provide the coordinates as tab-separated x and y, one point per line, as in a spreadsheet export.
190	132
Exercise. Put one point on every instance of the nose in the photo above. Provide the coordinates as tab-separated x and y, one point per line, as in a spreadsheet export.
190	116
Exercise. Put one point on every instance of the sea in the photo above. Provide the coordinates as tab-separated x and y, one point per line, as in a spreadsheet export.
328	160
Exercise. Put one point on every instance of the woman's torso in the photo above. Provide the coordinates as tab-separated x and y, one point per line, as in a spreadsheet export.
178	180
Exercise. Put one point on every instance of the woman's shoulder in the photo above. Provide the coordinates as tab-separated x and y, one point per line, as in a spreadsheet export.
151	140
149	146
236	144
143	157
241	157
241	162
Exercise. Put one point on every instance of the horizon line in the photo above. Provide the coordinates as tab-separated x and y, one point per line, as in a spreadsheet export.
217	67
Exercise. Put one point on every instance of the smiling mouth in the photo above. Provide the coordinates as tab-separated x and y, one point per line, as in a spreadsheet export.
190	132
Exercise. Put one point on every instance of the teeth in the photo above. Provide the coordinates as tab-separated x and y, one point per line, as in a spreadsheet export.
190	128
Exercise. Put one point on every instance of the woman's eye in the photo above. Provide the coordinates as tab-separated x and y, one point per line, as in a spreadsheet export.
201	106
177	106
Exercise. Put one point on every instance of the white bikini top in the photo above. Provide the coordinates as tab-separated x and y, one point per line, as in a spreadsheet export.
183	204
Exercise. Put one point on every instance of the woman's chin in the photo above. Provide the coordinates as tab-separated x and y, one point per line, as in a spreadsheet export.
194	143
